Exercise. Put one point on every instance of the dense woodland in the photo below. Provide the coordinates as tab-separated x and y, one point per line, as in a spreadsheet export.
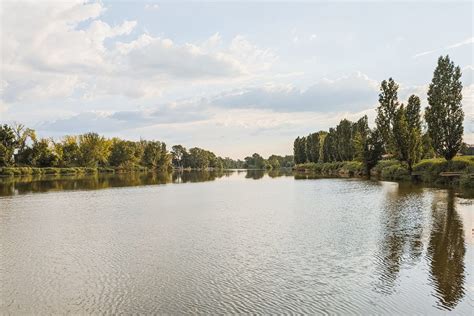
20	147
399	131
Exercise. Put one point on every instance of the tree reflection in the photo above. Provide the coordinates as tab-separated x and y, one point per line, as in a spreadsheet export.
255	174
45	183
446	252
402	228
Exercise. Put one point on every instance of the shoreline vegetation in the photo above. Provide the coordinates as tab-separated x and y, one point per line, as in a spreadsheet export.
405	144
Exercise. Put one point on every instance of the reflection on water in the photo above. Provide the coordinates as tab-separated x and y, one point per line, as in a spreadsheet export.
402	222
30	184
447	251
231	245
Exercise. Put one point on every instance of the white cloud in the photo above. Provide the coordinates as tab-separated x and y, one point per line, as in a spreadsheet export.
348	93
152	6
57	50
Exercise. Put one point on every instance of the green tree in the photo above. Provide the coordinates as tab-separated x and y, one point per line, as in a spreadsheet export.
344	145
407	128
360	135
8	143
94	150
444	115
388	104
373	150
178	152
329	146
312	147
155	155
299	150
123	153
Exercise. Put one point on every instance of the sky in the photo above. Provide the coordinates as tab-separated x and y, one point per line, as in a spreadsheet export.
232	77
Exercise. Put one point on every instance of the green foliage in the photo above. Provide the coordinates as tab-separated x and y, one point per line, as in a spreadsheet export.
8	144
329	146
255	162
444	115
299	150
372	150
388	104
344	141
312	147
94	150
407	128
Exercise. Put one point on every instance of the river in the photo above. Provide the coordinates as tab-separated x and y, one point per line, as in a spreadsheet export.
234	242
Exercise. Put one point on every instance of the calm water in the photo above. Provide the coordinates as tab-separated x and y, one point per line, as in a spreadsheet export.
233	243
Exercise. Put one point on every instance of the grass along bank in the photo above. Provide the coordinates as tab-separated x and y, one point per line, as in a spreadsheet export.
429	171
28	171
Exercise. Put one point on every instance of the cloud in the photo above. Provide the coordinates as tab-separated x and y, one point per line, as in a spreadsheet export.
151	6
349	93
106	122
467	41
58	50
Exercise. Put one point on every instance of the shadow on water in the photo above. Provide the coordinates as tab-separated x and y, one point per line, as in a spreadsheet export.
446	251
33	184
402	243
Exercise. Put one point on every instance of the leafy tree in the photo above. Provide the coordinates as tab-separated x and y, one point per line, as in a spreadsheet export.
312	147
373	150
360	134
43	154
8	143
329	146
255	162
124	153
273	162
427	150
388	104
69	151
444	115
299	150
178	152
155	155
94	149
343	141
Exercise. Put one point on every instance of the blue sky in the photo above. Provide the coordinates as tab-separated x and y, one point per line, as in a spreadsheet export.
232	77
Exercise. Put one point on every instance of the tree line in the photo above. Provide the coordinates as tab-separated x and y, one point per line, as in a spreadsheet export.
20	146
399	130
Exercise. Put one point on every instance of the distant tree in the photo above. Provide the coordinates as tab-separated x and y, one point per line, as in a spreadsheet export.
329	146
123	153
299	150
373	150
388	104
344	142
94	149
255	162
312	147
43	154
154	157
178	153
8	144
70	154
273	162
444	115
360	134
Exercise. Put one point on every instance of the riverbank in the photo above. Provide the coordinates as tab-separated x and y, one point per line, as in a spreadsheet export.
28	171
458	172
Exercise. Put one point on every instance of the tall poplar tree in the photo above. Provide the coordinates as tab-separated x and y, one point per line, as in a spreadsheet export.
386	111
444	115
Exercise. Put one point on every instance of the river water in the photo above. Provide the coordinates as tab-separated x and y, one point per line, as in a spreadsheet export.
236	242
